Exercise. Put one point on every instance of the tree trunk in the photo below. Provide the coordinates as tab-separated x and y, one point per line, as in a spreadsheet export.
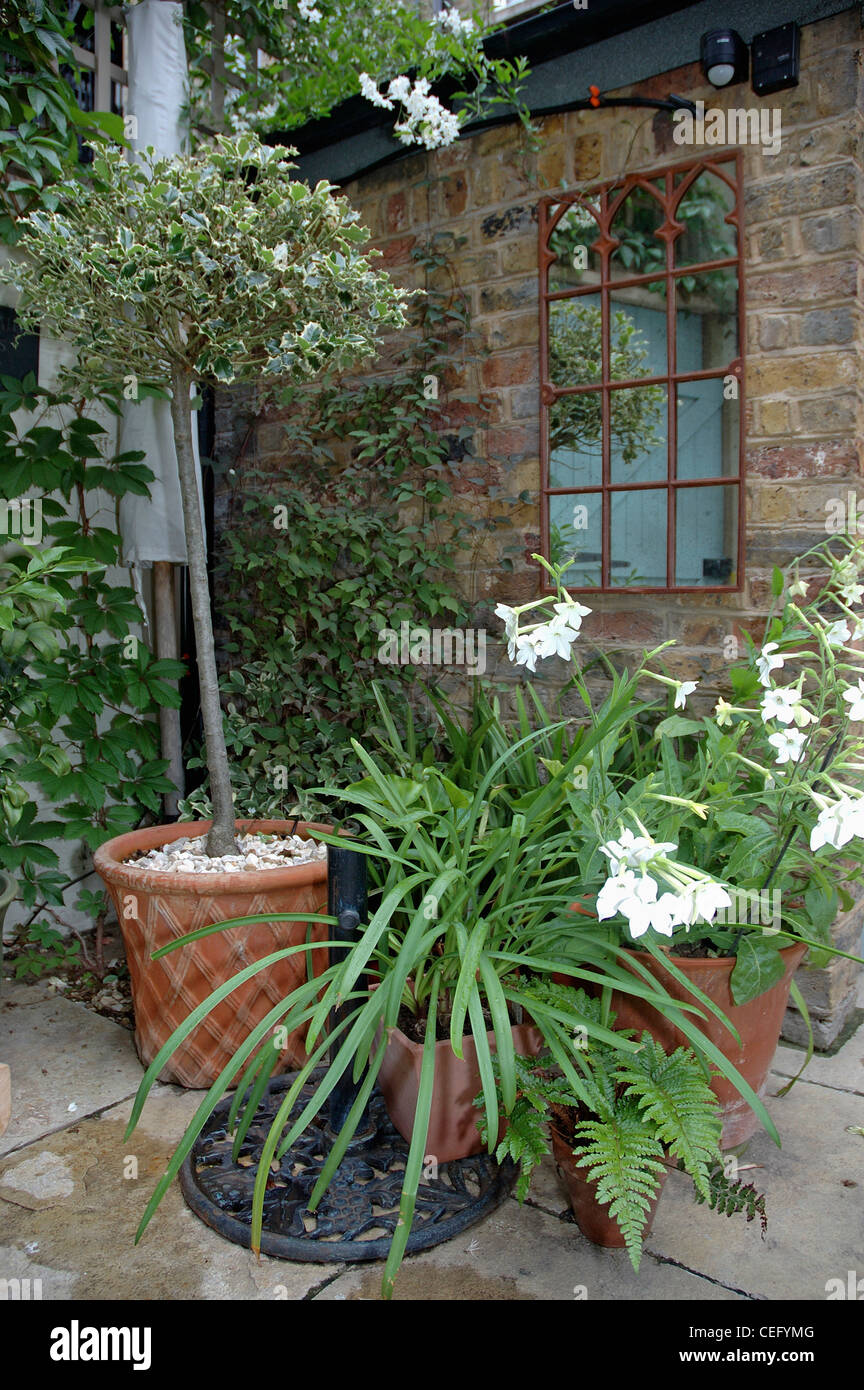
221	837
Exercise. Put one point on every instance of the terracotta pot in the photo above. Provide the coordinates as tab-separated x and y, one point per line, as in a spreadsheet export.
758	1024
453	1131
155	908
592	1217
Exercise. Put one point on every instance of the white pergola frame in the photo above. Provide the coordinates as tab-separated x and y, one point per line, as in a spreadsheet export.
99	61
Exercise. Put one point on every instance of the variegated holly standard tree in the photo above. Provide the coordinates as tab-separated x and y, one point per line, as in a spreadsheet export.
180	272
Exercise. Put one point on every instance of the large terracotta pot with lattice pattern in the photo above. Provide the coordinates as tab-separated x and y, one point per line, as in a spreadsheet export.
155	908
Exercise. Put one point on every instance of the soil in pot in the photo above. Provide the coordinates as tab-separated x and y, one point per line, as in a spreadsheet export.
758	1024
453	1131
155	908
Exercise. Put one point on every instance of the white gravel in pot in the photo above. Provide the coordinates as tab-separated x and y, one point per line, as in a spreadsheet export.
253	852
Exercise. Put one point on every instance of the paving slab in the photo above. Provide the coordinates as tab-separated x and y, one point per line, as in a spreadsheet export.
66	1062
814	1189
522	1253
70	1205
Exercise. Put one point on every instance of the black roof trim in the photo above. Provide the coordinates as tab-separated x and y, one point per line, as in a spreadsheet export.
551	34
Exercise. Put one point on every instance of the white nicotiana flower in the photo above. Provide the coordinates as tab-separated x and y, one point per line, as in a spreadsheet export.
528	647
701	901
633	850
723	712
572	613
857	631
855	696
635	897
838	823
555	638
789	745
784	704
798	588
510	619
683	689
769	661
836	634
851	593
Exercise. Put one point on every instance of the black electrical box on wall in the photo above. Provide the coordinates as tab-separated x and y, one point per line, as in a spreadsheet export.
776	56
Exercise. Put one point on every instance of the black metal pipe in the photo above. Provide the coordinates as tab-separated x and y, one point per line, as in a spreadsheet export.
346	901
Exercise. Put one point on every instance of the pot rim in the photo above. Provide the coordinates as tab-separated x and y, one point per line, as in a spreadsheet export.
110	860
714	962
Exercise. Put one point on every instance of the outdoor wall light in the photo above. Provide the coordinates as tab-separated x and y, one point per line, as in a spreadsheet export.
725	57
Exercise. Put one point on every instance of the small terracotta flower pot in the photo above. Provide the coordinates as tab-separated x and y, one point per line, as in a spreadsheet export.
592	1217
453	1131
758	1024
155	908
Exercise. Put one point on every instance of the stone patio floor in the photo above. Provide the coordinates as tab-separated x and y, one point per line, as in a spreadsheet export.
68	1213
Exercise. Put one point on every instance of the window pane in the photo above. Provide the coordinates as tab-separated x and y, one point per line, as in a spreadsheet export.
571	240
574	340
639	538
575	454
637	332
707	320
638	446
708	433
575	529
703	210
706	535
635	226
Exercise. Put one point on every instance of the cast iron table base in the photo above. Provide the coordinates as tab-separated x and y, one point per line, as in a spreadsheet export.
356	1217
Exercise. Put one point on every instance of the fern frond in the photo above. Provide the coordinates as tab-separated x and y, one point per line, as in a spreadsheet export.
626	1163
524	1142
730	1195
675	1099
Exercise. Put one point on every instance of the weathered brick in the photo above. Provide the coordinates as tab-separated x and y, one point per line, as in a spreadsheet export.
829	415
820	326
804	461
525	401
397	251
510	369
830	231
586	150
811	372
703	632
453	193
501	443
625	626
774	330
775	242
823	281
396	218
508	222
509	330
495	299
519	255
773	417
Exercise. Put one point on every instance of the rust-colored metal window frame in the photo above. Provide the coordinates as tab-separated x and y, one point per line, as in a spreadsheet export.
727	166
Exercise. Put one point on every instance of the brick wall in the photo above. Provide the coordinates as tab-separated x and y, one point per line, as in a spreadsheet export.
802	219
802	210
